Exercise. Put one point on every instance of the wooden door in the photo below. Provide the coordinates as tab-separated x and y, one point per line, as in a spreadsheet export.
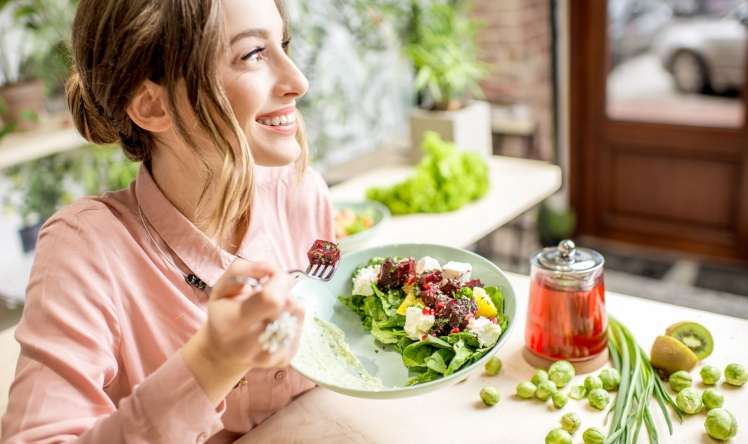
651	164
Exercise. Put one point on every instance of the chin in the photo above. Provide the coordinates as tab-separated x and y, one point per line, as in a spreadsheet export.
276	156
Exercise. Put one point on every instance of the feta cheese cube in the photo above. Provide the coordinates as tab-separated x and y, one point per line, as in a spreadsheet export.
488	332
457	270
427	263
364	279
417	324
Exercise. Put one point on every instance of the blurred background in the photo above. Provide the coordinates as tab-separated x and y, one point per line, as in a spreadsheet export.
639	101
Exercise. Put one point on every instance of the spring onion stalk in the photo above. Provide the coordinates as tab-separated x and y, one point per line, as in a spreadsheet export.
639	384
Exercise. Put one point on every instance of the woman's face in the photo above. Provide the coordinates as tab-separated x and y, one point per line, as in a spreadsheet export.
261	81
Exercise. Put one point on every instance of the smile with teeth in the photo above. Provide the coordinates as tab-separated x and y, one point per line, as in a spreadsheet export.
283	120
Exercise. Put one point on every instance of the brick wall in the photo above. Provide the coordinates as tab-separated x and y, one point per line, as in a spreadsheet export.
516	42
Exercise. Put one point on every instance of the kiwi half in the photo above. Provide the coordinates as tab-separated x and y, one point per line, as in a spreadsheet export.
694	335
671	355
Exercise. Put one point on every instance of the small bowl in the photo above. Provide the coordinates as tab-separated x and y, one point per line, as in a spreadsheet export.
380	213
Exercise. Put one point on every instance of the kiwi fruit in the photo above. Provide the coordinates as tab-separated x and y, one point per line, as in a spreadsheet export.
694	335
671	355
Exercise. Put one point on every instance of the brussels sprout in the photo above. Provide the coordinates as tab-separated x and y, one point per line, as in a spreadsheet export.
539	376
545	390
598	398
688	401
610	379
561	372
710	374
526	390
559	400
571	422
593	435
558	436
736	374
578	392
592	383
720	424
489	395
493	366
712	399
680	380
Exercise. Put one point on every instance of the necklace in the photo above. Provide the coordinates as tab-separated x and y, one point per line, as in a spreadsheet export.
190	278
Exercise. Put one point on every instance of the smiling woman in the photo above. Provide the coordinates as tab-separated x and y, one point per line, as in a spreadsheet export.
137	327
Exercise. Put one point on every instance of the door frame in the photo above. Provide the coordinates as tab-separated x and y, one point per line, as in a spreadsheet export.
589	127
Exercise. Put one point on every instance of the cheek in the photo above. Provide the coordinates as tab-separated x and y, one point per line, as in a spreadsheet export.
246	99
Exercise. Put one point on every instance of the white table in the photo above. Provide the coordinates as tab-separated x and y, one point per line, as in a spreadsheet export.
456	414
516	186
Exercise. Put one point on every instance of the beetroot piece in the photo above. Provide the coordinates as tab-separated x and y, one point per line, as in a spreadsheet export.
430	278
406	271
432	296
451	287
440	307
473	283
397	274
459	312
323	253
387	275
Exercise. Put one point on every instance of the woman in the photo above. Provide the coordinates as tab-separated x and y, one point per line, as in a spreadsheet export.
138	327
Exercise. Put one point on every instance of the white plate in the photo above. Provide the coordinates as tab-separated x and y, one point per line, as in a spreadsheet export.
320	299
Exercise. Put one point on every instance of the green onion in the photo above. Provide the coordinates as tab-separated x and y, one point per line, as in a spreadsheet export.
639	384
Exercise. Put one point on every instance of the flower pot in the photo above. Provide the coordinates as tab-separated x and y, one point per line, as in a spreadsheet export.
21	98
29	235
469	128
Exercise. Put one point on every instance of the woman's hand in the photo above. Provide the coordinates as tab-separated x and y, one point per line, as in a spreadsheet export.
228	345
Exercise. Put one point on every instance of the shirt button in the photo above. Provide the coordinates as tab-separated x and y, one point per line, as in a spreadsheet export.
280	376
201	438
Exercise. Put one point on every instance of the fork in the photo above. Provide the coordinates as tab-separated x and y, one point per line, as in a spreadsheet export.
319	272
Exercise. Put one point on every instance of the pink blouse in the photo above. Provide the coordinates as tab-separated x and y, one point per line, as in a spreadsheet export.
106	314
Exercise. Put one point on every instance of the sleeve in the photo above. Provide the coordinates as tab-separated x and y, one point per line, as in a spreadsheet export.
69	336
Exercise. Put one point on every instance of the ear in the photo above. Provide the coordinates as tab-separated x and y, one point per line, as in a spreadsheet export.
148	108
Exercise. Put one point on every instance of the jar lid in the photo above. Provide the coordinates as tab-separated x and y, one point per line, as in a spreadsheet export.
567	258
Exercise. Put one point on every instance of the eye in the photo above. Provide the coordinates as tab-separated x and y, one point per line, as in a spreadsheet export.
285	44
254	55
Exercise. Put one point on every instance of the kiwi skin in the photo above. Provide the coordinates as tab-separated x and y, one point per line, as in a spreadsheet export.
671	355
683	330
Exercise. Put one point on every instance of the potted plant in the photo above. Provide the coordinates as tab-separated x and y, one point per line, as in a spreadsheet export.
442	48
22	93
104	168
5	128
37	189
556	221
34	57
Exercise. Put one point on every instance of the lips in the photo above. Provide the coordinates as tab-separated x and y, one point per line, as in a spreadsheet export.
279	112
282	120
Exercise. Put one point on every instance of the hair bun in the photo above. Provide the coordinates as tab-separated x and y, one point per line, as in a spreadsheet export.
92	125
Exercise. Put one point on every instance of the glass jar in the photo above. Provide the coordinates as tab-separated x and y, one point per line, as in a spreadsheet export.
566	316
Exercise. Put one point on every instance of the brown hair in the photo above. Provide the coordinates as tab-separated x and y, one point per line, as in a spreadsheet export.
117	45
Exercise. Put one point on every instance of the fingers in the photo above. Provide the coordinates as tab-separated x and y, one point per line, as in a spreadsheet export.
233	280
270	300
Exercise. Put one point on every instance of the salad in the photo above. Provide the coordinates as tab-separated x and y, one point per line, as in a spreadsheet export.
349	222
436	316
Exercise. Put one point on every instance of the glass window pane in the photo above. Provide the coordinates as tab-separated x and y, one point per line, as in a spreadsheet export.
677	61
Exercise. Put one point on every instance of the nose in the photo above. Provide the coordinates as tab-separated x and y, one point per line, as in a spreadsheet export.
290	80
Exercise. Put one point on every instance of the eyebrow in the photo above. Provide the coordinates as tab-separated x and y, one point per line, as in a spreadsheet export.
249	33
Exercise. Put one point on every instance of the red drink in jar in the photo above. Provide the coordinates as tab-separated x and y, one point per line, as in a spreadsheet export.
566	316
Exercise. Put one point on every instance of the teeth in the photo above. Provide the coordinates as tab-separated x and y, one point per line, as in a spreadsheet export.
279	120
